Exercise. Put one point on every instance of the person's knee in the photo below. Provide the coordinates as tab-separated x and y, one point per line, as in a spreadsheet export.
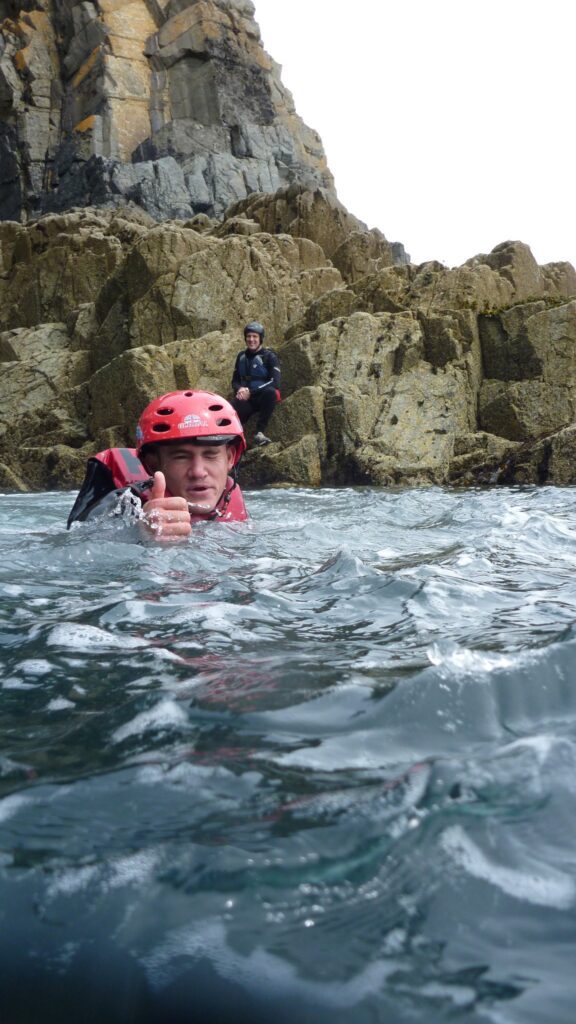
244	409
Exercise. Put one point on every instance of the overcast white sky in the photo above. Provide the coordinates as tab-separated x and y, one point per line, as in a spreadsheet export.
448	124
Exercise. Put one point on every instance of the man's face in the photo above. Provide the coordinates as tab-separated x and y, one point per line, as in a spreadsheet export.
195	472
253	341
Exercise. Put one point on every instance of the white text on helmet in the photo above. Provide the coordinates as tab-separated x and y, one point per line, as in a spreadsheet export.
192	421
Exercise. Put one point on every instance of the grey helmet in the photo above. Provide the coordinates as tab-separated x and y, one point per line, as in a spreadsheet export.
255	328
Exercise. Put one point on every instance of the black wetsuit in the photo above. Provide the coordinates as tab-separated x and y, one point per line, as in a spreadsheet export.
260	372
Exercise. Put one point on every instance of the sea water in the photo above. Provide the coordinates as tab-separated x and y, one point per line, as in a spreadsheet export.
317	767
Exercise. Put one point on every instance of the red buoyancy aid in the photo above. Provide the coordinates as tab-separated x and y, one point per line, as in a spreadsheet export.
124	469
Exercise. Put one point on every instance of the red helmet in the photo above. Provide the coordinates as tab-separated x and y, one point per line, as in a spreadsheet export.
190	415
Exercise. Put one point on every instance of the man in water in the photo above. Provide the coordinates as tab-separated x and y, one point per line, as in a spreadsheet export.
256	381
182	471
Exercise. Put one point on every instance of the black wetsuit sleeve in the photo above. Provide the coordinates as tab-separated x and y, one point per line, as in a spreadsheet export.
236	378
273	366
98	482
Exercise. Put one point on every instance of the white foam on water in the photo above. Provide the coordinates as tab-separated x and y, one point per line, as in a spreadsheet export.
543	887
13	683
466	662
514	517
162	716
13	590
35	667
67	883
467	559
10	805
79	636
60	704
134	870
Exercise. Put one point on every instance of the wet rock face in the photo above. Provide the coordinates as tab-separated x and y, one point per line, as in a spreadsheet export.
102	310
406	375
169	104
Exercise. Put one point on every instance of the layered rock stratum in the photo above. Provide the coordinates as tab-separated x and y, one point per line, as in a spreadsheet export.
170	104
188	198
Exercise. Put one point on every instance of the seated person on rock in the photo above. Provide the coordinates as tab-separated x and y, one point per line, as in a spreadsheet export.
255	381
183	470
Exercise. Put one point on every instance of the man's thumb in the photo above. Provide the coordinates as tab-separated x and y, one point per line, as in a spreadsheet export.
158	487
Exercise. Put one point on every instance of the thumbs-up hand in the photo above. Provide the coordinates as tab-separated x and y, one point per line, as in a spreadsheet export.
158	487
166	520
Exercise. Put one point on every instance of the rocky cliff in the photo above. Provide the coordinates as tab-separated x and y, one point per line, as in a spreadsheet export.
165	124
392	374
171	104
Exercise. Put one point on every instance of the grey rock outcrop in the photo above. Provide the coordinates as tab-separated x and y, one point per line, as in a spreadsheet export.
170	104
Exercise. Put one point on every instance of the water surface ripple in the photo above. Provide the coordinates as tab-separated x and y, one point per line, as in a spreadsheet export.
320	767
